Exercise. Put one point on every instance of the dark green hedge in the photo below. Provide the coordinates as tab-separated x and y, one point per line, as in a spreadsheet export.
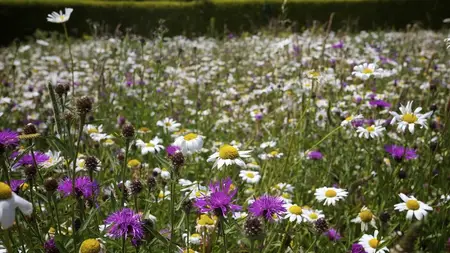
193	18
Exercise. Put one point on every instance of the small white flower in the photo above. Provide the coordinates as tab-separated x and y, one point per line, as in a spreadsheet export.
228	155
60	17
152	146
165	174
189	143
371	243
365	71
248	176
330	195
312	215
371	131
413	207
347	121
293	213
409	118
168	124
365	217
239	215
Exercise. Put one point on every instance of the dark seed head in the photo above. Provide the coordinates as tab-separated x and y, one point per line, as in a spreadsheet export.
253	228
402	174
30	172
177	160
151	183
321	225
84	105
76	224
136	187
91	163
60	89
30	128
128	131
50	184
385	217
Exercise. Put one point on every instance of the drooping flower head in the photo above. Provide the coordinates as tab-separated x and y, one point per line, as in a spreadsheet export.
8	139
60	17
220	200
84	187
125	223
269	207
399	152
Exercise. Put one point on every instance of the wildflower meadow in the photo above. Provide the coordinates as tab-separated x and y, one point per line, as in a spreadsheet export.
317	141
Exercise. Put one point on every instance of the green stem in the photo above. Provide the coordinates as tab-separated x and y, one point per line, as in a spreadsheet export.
124	168
224	235
71	58
6	241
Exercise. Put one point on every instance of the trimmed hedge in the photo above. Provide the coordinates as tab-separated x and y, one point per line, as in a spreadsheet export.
21	18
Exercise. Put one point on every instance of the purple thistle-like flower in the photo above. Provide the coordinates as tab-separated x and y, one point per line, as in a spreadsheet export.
357	248
15	184
399	152
220	200
379	103
28	159
338	45
333	235
9	138
267	206
315	155
172	149
50	246
83	187
125	223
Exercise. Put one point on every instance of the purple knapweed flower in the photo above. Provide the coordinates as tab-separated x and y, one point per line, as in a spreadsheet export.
269	207
28	159
84	187
125	223
9	138
357	248
399	152
379	103
333	235
172	149
338	45
315	155
15	184
220	201
50	246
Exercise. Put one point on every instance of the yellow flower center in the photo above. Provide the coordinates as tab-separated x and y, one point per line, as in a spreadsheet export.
195	235
151	145
92	130
286	195
250	175
370	128
168	124
228	152
366	216
144	129
205	220
349	118
51	230
313	216
5	191
330	193
188	251
314	74
274	153
90	246
412	204
410	118
190	137
367	71
198	194
373	243
133	163
24	187
109	141
161	195
295	210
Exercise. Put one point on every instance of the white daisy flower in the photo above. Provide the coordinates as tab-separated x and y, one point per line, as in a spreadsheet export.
228	155
366	218
189	143
9	201
60	17
251	177
409	118
194	239
93	129
284	187
239	215
54	159
348	121
371	243
330	195
168	124
371	131
293	213
165	174
163	195
365	71
271	155
413	207
152	146
253	165
312	215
